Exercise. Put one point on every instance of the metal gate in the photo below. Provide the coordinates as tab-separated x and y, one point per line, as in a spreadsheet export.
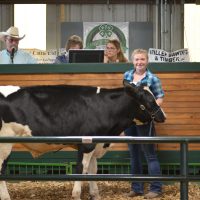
184	178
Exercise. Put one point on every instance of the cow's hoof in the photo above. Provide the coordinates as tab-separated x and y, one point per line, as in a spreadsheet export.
92	197
75	198
7	198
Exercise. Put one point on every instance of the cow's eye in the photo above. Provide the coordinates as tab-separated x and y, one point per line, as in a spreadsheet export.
142	107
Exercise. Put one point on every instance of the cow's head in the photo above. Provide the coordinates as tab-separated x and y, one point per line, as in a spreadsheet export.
147	108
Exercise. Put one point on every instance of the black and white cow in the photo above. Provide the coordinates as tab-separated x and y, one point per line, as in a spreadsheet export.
75	111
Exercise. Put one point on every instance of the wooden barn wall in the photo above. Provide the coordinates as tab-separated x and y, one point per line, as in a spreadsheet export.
181	104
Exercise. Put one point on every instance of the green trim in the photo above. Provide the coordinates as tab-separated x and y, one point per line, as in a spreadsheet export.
37	168
94	68
175	67
113	162
63	68
36	164
111	156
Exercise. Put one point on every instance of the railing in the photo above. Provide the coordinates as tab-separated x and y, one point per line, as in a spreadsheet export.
183	178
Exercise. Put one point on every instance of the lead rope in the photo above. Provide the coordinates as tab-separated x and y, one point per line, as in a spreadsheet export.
150	132
150	129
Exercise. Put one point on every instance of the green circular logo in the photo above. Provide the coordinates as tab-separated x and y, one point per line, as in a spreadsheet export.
100	35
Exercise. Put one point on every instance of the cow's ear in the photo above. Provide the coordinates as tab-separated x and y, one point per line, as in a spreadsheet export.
128	84
144	85
130	88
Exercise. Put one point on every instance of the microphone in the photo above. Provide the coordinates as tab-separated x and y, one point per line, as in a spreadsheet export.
12	54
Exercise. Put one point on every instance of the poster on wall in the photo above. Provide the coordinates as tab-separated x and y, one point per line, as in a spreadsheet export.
97	34
159	55
43	57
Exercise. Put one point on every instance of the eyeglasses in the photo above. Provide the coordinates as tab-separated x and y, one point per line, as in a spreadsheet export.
110	48
11	40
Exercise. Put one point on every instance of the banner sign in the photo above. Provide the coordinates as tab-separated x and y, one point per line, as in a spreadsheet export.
43	57
97	34
159	55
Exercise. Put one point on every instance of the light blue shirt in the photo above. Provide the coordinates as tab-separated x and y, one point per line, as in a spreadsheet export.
20	57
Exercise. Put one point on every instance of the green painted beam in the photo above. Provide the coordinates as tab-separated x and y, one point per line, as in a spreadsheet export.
95	68
112	156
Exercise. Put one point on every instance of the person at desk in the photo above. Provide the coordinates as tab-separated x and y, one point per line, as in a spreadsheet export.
114	53
12	54
74	42
140	75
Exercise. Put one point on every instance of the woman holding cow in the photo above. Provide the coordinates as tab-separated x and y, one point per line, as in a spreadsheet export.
140	75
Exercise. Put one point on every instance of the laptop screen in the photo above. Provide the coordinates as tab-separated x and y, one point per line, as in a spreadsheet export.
86	56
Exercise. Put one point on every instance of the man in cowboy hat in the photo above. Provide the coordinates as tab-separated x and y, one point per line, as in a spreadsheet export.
12	54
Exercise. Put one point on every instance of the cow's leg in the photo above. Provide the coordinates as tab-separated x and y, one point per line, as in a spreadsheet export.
92	169
4	195
100	150
76	192
8	129
82	167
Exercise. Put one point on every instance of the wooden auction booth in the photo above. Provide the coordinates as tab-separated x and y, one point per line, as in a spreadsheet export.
181	83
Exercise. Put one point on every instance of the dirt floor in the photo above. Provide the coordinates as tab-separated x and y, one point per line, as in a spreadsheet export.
109	190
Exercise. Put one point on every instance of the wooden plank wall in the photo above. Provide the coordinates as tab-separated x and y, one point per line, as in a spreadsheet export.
181	104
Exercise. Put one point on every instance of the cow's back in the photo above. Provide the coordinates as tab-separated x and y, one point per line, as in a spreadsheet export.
65	110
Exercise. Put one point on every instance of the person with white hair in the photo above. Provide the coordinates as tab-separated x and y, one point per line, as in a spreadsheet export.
12	54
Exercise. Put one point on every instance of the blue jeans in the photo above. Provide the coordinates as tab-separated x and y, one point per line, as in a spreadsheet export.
136	151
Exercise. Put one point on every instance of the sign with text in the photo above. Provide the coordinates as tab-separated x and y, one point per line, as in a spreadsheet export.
159	55
43	57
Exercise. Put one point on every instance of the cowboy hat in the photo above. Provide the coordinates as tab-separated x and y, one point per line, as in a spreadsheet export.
12	32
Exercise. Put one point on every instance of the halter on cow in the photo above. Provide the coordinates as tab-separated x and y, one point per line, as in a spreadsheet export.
76	111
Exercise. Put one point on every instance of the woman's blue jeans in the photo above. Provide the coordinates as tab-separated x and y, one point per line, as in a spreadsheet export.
150	155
